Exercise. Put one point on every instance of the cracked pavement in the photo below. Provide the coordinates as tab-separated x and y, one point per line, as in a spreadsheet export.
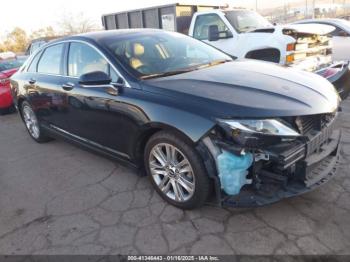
58	199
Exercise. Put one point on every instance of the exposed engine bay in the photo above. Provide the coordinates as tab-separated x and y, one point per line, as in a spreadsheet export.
255	169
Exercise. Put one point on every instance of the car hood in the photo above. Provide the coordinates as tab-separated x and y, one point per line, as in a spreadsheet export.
248	88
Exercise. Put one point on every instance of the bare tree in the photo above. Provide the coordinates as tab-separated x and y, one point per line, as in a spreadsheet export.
76	23
43	32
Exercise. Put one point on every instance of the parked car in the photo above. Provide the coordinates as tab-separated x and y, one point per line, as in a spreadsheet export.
189	115
342	26
35	44
345	17
9	64
244	34
341	42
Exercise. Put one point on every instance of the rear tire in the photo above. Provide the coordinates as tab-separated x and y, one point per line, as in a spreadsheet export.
32	124
176	171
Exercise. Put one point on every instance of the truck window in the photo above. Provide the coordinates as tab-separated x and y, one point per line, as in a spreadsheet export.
245	20
202	24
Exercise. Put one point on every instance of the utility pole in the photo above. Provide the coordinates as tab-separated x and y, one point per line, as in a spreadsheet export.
306	9
313	8
285	11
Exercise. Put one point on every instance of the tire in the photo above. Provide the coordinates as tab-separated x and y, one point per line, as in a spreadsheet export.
179	171
32	124
3	111
9	110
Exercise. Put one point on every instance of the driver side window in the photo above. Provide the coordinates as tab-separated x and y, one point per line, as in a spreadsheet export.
84	59
201	27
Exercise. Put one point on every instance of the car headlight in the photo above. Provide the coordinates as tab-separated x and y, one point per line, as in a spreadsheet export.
270	127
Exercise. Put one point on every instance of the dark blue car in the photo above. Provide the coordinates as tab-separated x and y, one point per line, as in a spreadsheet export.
203	126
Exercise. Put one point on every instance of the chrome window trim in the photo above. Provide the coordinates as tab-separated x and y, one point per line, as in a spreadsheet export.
126	83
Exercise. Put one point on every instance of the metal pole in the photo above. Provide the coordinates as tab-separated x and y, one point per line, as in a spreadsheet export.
285	11
306	9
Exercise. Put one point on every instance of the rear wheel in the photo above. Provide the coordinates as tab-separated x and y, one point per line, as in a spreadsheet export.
32	124
176	171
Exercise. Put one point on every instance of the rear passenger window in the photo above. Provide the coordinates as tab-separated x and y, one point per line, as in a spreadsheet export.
50	62
33	65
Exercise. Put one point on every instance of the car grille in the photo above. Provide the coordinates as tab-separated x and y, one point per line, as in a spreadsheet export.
311	124
318	128
306	124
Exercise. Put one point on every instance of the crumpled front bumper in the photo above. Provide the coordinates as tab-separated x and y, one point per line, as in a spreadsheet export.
318	168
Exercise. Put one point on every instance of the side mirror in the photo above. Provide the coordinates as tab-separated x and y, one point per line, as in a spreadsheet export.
95	78
213	33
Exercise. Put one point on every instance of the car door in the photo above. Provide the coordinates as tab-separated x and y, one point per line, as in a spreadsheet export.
201	32
44	85
96	116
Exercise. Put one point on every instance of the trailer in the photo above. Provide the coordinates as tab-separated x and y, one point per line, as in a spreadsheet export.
172	17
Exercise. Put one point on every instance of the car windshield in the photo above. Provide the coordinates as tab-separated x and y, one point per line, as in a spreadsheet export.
10	64
157	54
245	20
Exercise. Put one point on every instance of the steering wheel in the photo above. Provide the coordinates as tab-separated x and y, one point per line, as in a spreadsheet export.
144	69
175	62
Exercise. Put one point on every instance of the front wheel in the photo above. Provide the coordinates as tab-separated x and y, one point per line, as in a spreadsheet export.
32	123
176	171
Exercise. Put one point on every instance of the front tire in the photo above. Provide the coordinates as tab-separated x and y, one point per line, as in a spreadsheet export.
32	124
176	171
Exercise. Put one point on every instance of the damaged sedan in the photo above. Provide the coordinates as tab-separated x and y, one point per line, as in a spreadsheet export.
203	126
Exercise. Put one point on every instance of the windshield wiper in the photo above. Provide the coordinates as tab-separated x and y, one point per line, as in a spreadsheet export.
214	63
248	28
171	73
182	71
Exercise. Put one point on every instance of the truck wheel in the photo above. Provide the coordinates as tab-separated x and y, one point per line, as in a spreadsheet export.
176	171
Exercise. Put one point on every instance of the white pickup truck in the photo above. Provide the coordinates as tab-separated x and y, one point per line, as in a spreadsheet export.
244	33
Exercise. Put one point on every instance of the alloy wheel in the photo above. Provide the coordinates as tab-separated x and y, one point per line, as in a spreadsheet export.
172	172
31	122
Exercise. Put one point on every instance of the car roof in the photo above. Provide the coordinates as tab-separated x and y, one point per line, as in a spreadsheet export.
324	20
108	34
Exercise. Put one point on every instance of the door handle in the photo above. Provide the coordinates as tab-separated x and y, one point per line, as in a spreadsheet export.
68	86
32	81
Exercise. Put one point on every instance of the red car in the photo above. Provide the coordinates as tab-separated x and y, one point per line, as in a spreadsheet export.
8	67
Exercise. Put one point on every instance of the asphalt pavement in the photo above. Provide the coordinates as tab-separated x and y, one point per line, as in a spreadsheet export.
56	198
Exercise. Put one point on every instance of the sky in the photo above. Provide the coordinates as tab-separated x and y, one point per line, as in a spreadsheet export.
34	14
